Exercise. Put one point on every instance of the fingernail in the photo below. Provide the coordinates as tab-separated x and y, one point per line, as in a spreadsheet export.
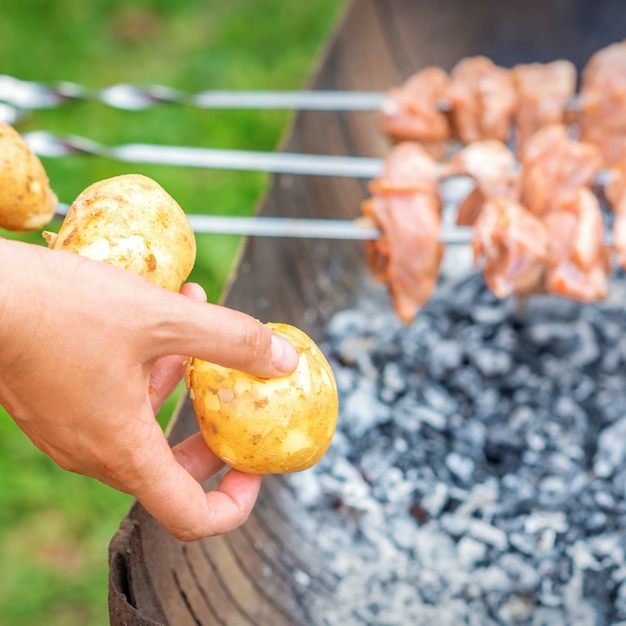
284	355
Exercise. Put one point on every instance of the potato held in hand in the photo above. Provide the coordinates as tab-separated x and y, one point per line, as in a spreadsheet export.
132	222
26	200
268	426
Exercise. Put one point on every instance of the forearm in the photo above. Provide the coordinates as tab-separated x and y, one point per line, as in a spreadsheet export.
24	274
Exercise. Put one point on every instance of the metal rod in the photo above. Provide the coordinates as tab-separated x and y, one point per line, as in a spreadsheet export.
360	229
300	228
47	144
35	95
291	100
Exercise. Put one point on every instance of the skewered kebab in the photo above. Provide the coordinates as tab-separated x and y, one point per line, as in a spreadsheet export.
491	97
488	163
532	234
415	110
549	237
484	101
478	100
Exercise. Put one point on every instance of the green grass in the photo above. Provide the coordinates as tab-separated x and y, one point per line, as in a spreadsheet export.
55	526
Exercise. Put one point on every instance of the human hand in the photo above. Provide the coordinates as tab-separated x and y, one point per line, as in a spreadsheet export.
88	353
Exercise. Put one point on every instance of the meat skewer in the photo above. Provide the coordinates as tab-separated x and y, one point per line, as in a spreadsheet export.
536	230
537	226
551	241
478	100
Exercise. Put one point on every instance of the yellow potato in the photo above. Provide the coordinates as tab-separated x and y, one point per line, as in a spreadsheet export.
26	200
268	425
132	222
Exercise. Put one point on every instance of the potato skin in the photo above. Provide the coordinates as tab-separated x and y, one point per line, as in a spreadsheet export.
132	222
268	426
26	201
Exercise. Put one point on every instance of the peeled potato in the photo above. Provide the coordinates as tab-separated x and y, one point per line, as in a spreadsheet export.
26	200
132	222
268	425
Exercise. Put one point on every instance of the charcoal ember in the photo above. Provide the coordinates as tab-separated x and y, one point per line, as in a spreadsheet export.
611	449
461	467
620	600
411	415
470	552
478	473
446	356
515	609
433	500
363	410
502	450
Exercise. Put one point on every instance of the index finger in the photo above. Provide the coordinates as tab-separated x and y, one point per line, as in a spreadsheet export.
220	335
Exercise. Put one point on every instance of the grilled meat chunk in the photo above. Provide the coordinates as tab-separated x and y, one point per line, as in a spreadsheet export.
554	164
603	102
412	110
407	168
615	192
406	206
482	98
577	259
543	92
495	172
511	244
408	256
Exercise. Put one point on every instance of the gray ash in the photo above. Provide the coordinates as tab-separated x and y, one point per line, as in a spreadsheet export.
478	474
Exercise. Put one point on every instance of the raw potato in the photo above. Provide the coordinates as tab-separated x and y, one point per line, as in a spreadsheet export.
132	222
26	200
268	425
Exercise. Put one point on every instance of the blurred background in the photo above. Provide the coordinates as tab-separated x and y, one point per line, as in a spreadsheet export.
55	527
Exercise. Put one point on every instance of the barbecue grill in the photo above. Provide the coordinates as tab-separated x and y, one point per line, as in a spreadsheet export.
269	571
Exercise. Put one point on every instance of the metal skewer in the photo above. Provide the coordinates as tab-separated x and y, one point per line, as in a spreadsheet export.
33	95
46	144
49	145
300	228
360	229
